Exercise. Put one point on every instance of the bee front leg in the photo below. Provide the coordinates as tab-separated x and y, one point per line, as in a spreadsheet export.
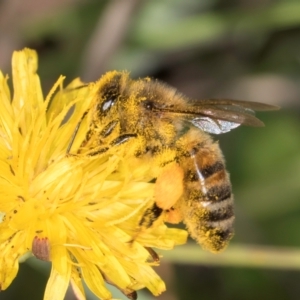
121	139
75	133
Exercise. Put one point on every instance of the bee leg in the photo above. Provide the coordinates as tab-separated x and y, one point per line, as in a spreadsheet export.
150	216
129	293
108	129
116	142
73	137
121	139
93	153
75	133
153	254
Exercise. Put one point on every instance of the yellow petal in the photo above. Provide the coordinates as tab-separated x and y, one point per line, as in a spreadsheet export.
57	285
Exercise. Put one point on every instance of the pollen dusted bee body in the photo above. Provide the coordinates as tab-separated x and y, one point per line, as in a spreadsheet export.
171	133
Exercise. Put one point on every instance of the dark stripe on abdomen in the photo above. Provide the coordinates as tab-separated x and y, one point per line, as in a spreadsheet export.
218	193
221	235
225	234
219	214
215	194
208	171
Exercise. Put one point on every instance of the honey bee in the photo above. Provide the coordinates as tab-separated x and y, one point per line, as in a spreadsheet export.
172	132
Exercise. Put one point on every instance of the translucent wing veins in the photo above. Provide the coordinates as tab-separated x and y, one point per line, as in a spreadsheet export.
218	116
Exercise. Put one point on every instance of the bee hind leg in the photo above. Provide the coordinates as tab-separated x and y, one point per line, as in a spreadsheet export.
128	292
153	254
150	215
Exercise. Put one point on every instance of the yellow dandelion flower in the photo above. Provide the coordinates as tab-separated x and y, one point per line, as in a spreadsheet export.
80	213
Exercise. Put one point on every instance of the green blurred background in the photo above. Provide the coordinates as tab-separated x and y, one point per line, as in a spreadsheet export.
240	49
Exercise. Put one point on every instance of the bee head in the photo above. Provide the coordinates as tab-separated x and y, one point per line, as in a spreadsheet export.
110	91
138	106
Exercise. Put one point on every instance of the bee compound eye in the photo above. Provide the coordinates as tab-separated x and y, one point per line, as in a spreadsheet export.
107	104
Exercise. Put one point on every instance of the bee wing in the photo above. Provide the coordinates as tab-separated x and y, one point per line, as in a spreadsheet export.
218	116
214	126
238	104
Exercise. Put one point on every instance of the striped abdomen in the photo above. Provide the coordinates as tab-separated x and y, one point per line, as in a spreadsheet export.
207	205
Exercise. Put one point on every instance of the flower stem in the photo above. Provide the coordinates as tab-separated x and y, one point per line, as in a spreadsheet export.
238	256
